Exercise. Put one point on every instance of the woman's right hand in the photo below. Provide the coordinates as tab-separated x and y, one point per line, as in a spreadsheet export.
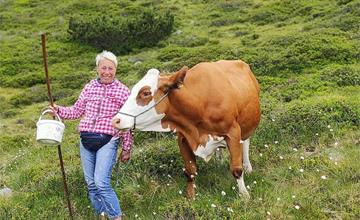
55	109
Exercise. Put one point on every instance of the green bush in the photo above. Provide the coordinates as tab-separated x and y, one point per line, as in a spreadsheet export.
23	80
171	52
39	93
303	122
276	11
348	18
294	53
342	75
180	57
75	80
121	35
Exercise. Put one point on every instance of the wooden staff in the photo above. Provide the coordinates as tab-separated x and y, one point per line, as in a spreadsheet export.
43	40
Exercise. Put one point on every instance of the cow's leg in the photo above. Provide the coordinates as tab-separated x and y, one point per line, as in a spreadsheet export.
190	166
236	157
247	164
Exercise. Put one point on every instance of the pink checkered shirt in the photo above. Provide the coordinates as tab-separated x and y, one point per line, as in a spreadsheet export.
98	103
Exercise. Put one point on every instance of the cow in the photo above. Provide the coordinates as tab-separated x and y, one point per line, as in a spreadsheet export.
211	105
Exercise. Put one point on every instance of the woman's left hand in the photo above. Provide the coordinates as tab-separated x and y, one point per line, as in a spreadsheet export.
125	156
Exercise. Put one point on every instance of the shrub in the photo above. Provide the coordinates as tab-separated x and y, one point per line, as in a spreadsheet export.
121	35
67	81
23	81
347	18
38	93
294	53
189	40
192	56
298	122
171	52
276	11
342	75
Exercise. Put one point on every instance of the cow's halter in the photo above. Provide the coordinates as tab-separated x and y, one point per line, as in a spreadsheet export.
153	106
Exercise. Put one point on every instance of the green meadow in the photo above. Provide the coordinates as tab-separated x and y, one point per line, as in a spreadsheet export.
305	153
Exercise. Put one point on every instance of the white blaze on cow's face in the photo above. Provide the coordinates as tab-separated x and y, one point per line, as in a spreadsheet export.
150	120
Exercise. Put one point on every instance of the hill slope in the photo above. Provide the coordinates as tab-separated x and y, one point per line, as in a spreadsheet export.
305	153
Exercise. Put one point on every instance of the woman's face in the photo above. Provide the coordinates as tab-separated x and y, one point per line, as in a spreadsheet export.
106	71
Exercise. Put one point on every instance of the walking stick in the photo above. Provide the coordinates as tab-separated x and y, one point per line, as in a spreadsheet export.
43	40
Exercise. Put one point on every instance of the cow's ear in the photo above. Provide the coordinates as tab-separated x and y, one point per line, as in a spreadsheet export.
177	79
174	81
179	76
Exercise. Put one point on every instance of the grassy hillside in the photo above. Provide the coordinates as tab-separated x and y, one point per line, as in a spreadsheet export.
305	153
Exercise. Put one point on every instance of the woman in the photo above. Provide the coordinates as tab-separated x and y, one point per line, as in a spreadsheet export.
99	100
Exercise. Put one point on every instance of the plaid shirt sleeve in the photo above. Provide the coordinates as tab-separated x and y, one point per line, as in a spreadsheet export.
127	140
75	111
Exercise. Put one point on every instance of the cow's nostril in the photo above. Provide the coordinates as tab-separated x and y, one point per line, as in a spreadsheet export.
116	122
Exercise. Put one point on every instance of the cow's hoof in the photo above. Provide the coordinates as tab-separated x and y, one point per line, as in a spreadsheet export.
248	168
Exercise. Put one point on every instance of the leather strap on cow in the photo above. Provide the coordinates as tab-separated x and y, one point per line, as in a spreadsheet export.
153	106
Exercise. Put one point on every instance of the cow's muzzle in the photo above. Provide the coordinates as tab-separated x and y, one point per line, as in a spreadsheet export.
116	123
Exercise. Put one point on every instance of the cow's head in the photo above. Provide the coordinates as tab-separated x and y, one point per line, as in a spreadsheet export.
148	101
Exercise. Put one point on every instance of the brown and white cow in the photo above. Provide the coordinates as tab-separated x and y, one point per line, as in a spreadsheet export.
211	105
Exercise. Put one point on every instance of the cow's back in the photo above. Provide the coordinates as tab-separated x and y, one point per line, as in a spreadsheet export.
228	90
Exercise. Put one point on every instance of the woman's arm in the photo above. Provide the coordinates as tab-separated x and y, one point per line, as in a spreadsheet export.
75	111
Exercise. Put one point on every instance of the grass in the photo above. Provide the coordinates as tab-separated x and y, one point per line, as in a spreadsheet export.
305	152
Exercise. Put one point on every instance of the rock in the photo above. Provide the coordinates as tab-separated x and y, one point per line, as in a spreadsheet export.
178	32
5	192
135	59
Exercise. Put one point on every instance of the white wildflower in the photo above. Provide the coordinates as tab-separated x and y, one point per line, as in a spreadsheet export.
277	199
295	149
223	193
297	207
323	177
268	213
290	168
281	157
260	154
213	205
230	209
255	182
293	196
180	192
302	158
301	170
276	142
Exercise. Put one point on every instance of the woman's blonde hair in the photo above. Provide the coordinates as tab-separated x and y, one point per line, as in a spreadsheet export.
106	55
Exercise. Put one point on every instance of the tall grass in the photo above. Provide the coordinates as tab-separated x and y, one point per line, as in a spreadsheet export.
305	152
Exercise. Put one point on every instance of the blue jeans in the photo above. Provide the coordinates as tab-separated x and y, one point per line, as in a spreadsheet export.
97	167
